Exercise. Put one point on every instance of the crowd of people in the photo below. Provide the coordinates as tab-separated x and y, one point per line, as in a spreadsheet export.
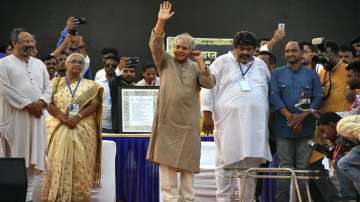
53	113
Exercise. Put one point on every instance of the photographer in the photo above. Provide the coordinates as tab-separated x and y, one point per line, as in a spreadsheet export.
349	128
71	42
334	150
334	85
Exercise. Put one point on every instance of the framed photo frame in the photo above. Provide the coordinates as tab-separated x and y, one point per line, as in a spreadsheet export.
138	108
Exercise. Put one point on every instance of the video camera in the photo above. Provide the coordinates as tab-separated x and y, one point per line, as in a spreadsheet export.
322	55
324	149
328	149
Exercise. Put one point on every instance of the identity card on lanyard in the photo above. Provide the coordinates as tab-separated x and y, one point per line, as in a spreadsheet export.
73	107
244	81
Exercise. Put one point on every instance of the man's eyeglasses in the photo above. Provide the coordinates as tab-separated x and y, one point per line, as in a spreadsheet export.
110	65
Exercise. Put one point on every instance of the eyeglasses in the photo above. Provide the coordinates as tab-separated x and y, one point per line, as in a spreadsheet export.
110	65
77	62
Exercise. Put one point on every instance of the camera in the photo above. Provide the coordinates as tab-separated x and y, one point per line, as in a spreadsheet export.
324	149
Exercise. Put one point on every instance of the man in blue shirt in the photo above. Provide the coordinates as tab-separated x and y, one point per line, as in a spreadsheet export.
294	125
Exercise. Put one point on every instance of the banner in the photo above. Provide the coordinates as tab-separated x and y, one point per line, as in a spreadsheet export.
211	48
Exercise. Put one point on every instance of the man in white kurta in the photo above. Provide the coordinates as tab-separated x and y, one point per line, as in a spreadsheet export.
239	111
24	94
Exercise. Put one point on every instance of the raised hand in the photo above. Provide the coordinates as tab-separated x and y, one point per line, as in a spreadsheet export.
71	23
165	12
124	63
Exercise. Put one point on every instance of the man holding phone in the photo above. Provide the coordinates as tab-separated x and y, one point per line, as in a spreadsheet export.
175	142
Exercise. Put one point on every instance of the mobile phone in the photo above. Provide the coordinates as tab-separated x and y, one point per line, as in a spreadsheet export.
281	26
81	20
133	61
72	32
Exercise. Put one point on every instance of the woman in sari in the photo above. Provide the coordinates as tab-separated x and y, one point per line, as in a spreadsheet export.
74	142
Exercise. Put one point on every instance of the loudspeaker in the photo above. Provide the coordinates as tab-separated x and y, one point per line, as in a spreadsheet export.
13	180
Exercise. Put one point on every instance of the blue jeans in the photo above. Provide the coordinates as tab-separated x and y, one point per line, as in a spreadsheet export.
292	153
349	165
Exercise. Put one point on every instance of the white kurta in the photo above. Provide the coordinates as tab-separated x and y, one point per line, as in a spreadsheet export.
240	117
20	84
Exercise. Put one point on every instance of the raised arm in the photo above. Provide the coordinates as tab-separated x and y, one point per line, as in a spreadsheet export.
157	36
164	15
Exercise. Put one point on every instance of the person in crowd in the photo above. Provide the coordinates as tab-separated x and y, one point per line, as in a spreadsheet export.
308	53
149	76
346	54
349	128
327	128
106	53
235	109
110	64
24	95
266	44
72	42
334	88
175	141
268	58
124	76
355	43
294	125
74	135
61	69
353	80
51	65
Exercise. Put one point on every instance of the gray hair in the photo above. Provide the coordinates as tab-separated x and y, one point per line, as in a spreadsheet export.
75	54
186	37
15	34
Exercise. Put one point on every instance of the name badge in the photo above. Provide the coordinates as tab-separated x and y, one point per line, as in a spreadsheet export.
244	84
73	109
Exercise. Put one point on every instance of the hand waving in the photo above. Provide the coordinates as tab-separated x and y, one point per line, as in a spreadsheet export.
165	11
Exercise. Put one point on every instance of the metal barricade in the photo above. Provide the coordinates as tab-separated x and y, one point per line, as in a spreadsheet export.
294	175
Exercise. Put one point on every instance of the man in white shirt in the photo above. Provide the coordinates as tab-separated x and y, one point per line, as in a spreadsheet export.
238	107
24	95
110	64
106	53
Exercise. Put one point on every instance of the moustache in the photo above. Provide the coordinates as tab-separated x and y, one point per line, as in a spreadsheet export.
244	56
28	49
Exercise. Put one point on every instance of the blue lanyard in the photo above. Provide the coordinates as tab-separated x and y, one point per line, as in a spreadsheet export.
246	70
69	87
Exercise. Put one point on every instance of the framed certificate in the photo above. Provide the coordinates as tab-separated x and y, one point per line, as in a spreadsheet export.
138	107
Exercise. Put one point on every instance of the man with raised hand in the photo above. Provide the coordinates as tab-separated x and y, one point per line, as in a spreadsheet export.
175	142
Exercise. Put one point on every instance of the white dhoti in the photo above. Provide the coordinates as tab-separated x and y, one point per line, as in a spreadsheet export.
240	117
